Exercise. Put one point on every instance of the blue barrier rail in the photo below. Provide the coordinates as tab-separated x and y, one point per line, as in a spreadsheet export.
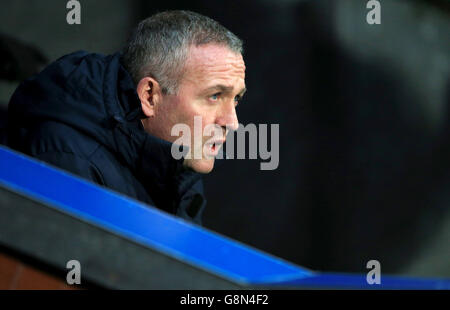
171	235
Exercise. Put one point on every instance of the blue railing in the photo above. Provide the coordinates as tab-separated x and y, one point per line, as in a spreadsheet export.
171	235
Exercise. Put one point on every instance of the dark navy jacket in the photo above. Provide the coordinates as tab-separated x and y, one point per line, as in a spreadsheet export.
82	114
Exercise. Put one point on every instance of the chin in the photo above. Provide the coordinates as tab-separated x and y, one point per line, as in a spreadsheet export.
200	165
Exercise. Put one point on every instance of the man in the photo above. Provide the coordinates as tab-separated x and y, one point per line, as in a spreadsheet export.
109	119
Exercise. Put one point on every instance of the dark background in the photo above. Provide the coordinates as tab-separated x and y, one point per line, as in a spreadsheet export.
363	110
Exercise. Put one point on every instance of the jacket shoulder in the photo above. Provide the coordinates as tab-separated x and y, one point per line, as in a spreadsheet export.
54	137
72	163
69	149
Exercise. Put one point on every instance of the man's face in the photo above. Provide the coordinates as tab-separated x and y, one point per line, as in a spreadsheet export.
213	83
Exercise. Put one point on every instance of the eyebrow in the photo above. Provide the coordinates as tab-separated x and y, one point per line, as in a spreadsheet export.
225	89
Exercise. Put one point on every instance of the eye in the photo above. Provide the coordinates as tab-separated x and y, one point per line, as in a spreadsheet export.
215	97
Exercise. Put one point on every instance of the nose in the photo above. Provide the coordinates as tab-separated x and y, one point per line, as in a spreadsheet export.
228	118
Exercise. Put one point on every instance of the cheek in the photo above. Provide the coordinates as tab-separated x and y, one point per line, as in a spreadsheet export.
171	113
186	110
182	110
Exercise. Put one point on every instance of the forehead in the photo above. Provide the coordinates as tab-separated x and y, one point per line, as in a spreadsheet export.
210	64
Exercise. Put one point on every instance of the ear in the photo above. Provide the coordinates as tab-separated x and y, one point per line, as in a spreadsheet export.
149	93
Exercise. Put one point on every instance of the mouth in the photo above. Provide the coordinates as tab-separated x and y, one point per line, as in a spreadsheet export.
214	147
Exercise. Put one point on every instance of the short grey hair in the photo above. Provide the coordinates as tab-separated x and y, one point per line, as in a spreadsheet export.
159	45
